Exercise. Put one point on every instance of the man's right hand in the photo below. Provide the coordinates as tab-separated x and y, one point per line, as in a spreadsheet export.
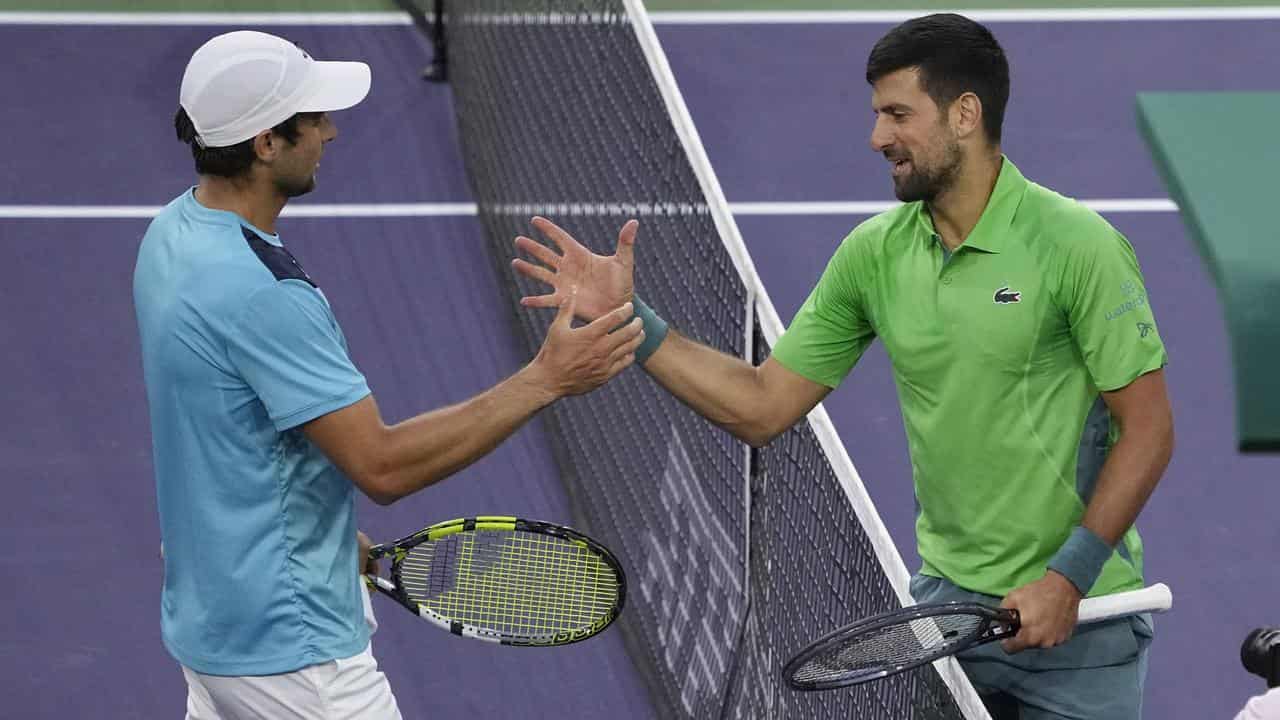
573	360
602	282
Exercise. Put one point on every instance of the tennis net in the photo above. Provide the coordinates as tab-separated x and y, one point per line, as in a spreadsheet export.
736	558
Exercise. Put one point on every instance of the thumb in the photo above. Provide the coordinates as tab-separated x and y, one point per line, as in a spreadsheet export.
627	242
564	316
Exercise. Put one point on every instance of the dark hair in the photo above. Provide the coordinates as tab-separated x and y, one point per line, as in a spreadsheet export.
954	55
232	160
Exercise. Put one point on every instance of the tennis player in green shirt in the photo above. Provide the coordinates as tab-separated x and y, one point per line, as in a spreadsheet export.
1027	359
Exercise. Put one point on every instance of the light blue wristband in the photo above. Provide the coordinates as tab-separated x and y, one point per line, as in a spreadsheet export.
1081	557
655	329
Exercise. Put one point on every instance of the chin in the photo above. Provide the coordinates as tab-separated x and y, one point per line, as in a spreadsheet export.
300	190
907	194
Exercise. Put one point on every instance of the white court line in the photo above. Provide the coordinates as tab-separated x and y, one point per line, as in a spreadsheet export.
204	18
113	212
676	17
116	212
776	17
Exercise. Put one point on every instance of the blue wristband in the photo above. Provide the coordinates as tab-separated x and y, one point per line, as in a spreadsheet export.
655	329
1081	557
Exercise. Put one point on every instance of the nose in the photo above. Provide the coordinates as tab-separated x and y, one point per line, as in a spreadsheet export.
881	134
329	130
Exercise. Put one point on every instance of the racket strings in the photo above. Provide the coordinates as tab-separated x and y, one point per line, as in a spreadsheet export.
882	649
519	584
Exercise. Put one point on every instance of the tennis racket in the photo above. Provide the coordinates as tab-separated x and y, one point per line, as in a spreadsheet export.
504	580
899	640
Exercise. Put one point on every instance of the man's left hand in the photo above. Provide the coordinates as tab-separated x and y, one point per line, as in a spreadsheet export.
1047	609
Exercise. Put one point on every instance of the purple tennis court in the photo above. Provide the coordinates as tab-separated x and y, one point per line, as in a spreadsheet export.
429	325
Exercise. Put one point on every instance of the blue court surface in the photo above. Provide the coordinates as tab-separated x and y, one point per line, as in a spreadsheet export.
784	114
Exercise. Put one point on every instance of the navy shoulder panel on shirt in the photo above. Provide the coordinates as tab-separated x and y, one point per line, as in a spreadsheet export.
278	260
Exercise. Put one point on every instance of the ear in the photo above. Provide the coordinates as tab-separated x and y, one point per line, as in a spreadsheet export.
965	115
266	146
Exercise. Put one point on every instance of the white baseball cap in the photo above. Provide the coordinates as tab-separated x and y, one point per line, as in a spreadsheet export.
241	83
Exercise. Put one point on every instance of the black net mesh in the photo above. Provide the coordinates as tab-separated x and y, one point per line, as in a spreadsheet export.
559	115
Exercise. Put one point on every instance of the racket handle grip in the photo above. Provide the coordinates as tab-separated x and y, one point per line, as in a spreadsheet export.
1154	599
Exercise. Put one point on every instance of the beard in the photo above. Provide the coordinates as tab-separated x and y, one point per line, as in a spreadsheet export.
927	182
292	187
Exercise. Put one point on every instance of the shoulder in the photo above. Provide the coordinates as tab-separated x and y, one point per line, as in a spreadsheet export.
887	226
1066	224
880	233
1069	237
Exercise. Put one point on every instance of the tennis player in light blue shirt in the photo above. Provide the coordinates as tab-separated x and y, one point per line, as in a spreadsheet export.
224	311
262	427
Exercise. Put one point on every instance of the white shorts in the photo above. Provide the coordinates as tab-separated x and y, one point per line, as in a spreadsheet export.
1262	707
345	689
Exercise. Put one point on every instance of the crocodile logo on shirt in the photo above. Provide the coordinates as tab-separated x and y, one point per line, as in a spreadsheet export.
1005	296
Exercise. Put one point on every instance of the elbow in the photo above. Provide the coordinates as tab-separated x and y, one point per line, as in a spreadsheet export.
760	433
762	427
382	498
1170	438
378	489
1160	427
378	481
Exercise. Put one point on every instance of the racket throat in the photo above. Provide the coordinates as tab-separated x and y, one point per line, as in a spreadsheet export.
997	630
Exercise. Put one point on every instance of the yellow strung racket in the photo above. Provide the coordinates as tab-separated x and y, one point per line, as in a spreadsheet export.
505	580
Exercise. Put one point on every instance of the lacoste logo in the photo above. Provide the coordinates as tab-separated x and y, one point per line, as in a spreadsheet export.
1145	329
1005	296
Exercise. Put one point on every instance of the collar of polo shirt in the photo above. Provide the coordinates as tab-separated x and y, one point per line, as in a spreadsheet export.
989	234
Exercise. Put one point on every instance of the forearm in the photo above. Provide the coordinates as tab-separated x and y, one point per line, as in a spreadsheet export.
722	388
425	449
1129	476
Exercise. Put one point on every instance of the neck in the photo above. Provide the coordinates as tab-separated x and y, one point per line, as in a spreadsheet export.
956	210
249	198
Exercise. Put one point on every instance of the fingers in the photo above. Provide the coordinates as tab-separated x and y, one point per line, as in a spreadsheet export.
1015	645
621	364
564	316
541	301
536	272
562	239
627	242
606	323
629	340
540	252
1018	642
1036	633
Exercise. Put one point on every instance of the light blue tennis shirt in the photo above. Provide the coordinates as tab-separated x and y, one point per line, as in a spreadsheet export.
240	348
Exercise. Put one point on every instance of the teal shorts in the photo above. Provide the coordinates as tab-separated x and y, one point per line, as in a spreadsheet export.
1096	675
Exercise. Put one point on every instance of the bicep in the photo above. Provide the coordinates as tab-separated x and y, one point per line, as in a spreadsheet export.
1143	401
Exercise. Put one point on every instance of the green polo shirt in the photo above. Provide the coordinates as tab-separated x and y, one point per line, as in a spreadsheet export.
999	352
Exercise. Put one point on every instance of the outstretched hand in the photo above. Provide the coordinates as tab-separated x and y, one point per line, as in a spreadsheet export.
603	282
573	360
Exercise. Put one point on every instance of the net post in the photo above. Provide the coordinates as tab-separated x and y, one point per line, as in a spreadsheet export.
438	70
433	30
